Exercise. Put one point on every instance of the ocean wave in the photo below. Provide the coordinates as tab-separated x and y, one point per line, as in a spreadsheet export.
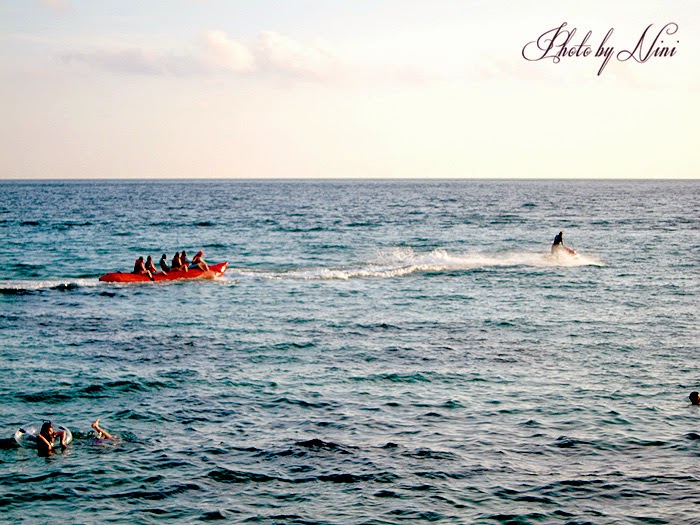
300	402
426	453
224	475
319	444
229	476
106	389
393	378
157	494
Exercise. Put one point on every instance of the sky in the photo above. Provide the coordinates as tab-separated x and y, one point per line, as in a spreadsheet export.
348	89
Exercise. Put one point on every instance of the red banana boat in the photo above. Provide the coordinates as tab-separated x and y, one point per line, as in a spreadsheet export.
215	270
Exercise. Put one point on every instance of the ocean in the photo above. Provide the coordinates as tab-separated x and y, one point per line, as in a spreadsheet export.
379	352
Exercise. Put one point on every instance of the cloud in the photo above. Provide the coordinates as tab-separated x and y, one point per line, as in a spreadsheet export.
282	55
137	62
269	55
220	52
272	54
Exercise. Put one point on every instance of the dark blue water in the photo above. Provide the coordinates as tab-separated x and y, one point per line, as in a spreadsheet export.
380	352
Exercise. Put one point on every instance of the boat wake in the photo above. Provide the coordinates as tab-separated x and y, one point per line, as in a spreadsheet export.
27	286
398	262
405	261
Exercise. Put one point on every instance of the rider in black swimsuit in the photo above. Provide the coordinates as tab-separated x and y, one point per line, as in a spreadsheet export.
558	242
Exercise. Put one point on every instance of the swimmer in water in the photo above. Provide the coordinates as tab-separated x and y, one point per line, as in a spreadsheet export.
46	438
101	433
694	398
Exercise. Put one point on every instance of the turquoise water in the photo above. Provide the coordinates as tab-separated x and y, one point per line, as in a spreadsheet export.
379	352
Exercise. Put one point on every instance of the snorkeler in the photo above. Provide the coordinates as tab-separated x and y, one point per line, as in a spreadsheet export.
694	398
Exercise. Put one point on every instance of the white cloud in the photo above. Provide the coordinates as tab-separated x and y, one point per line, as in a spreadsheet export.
270	55
282	55
137	62
221	52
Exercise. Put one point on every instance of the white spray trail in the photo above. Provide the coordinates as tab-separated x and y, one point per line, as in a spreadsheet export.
400	262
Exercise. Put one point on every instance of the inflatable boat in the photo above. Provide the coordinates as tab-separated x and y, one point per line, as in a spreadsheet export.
215	271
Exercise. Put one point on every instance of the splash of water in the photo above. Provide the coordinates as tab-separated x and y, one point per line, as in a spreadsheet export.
400	262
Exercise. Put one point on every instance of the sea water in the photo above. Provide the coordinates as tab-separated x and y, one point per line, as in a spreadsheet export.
379	352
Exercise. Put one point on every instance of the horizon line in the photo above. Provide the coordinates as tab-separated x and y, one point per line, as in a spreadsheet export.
332	179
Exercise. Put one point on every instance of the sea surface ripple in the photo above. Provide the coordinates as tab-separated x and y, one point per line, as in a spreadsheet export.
379	352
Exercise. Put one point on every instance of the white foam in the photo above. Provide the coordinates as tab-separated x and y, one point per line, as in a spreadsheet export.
400	262
397	262
46	284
